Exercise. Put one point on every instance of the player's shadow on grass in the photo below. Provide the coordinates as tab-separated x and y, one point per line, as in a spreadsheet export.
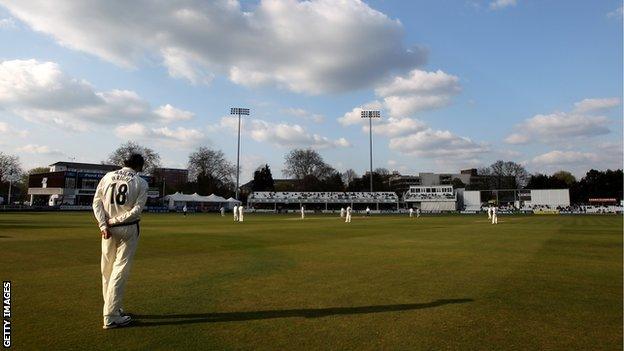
171	319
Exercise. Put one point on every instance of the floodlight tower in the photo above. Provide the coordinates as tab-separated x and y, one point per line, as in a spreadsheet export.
370	114
238	111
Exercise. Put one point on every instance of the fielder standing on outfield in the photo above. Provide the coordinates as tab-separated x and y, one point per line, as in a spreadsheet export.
342	212
302	212
235	211
411	212
118	202
348	219
494	216
240	213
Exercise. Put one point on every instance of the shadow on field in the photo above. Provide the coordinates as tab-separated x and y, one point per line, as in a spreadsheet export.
217	317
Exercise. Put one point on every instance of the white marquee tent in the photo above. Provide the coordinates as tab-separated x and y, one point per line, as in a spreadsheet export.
178	200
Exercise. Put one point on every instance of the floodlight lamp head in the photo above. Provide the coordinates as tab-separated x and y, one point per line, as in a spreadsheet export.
370	114
239	111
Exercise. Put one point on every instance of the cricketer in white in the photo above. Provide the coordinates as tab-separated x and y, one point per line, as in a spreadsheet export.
117	205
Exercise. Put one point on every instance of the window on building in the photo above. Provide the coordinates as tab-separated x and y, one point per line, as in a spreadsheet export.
90	184
70	183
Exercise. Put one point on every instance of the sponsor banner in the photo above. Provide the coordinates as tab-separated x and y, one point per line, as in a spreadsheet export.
546	212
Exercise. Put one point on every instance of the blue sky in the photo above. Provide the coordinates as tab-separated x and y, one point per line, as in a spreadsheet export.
460	83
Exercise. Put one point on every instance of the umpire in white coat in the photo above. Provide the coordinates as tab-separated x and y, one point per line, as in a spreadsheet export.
240	213
235	213
118	202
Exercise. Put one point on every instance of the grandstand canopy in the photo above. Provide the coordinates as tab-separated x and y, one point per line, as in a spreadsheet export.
322	197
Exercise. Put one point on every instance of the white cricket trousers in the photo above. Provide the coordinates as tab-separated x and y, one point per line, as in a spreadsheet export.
348	220
494	219
117	255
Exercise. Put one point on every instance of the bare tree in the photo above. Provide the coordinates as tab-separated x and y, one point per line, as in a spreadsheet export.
348	176
10	169
305	162
209	163
484	171
152	158
508	169
382	171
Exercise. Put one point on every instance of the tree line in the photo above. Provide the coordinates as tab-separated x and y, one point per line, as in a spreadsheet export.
306	170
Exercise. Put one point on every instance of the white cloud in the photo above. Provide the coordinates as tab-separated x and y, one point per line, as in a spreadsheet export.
181	137
248	78
557	157
304	114
354	116
38	149
6	128
283	134
563	125
303	46
394	127
499	4
288	135
418	91
438	143
169	113
604	156
581	123
181	64
594	105
610	154
419	82
41	92
7	23
617	13
517	138
408	105
42	85
404	96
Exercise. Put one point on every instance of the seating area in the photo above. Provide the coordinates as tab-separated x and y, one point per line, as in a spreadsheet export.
322	197
429	197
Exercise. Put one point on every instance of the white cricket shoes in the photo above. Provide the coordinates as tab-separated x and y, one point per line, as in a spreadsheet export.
119	322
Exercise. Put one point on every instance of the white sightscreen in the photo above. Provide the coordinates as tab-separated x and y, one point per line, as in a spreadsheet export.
472	199
435	206
551	197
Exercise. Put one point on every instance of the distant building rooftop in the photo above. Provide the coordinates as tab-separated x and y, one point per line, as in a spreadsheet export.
79	165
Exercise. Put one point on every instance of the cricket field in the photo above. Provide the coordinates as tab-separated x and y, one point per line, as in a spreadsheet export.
276	282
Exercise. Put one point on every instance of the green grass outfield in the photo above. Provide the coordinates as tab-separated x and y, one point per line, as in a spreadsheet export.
277	282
